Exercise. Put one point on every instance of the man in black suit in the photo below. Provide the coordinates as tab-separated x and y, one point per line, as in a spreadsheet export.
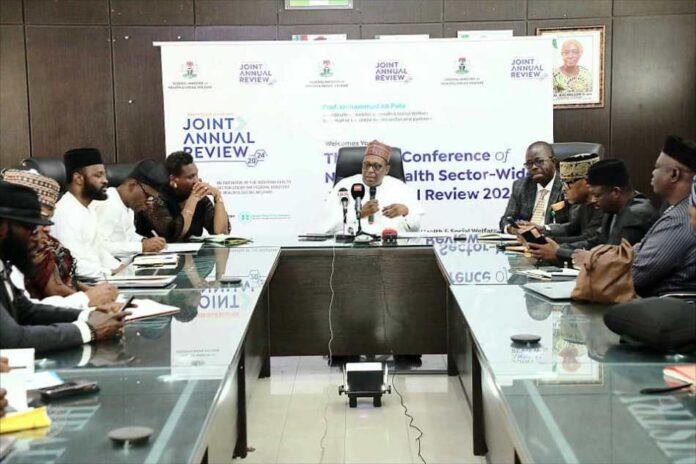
533	198
24	324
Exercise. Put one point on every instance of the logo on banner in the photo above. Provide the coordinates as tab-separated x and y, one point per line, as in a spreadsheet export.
326	70
255	74
391	71
527	68
189	73
463	74
245	217
189	70
221	139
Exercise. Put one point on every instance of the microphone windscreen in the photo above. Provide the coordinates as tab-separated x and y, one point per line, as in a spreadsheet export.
343	193
389	233
357	190
373	192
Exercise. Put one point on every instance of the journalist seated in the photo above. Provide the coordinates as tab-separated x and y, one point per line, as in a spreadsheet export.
535	197
183	209
53	280
24	324
665	260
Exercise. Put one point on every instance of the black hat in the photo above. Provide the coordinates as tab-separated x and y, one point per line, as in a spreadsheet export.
79	158
609	173
681	150
150	172
21	204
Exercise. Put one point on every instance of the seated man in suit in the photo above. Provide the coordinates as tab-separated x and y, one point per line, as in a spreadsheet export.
394	205
665	259
24	324
116	214
585	217
533	198
627	214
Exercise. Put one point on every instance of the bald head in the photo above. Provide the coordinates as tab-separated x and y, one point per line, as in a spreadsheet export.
540	162
671	179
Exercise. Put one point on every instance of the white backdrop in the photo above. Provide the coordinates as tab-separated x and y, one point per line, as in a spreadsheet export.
265	120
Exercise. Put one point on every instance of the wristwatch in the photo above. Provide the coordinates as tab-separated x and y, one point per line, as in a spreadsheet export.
92	333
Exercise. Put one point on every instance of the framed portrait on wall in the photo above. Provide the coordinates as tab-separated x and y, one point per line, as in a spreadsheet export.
578	65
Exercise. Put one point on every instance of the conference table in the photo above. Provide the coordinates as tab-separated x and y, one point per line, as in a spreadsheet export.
573	398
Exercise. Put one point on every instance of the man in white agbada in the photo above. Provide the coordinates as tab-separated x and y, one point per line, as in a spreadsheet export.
116	214
75	225
395	205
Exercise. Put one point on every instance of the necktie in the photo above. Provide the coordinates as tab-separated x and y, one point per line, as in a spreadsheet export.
539	213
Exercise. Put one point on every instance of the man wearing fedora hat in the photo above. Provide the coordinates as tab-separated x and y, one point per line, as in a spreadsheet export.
24	324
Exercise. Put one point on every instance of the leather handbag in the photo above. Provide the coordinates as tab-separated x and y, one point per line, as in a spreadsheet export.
605	276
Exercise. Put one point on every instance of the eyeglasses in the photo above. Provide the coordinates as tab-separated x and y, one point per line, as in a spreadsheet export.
148	197
374	166
538	162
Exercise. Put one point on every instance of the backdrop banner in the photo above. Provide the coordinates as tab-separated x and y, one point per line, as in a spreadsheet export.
264	121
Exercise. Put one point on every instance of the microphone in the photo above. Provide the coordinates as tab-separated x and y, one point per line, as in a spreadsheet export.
389	236
343	196
373	193
358	193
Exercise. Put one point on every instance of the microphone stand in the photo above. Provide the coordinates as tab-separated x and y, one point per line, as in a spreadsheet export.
344	238
358	209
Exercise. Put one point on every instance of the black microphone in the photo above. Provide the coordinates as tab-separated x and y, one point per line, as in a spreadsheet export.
343	196
373	193
358	193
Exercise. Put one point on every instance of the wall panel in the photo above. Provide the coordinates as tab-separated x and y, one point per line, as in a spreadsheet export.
66	11
351	30
70	89
138	89
14	106
401	11
653	7
653	88
332	16
11	12
490	10
562	9
151	12
237	33
236	12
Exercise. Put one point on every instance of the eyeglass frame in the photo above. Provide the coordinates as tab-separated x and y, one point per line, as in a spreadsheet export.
366	166
538	162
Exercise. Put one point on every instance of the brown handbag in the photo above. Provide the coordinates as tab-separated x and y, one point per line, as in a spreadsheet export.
605	277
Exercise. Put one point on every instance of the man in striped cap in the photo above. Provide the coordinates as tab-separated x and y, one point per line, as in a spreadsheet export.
585	217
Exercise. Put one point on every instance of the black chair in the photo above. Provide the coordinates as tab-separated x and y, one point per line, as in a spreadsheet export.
349	163
117	173
563	150
49	167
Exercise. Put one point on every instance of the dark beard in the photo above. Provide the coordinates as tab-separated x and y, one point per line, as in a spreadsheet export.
19	253
94	193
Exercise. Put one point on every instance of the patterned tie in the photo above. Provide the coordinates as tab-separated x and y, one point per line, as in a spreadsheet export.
539	214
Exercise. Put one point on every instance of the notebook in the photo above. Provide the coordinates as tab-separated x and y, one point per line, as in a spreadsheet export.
147	308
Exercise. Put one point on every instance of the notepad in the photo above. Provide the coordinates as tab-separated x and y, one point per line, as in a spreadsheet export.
182	248
141	281
147	308
25	420
157	260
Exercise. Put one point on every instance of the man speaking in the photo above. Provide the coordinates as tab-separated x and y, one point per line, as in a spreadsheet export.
387	202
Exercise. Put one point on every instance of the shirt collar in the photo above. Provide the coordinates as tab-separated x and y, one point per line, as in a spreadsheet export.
549	186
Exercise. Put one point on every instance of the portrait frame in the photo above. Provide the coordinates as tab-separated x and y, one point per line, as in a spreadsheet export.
579	50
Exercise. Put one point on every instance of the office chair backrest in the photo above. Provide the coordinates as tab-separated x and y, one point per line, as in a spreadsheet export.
49	167
349	163
117	173
563	150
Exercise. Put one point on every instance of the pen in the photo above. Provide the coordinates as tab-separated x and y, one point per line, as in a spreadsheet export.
128	303
17	367
154	234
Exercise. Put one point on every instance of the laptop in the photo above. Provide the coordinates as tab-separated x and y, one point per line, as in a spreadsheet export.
552	290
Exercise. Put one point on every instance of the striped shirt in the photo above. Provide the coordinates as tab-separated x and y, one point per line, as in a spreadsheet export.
665	259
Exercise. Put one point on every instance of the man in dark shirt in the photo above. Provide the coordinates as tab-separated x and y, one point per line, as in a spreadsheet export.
627	214
665	259
533	197
24	324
